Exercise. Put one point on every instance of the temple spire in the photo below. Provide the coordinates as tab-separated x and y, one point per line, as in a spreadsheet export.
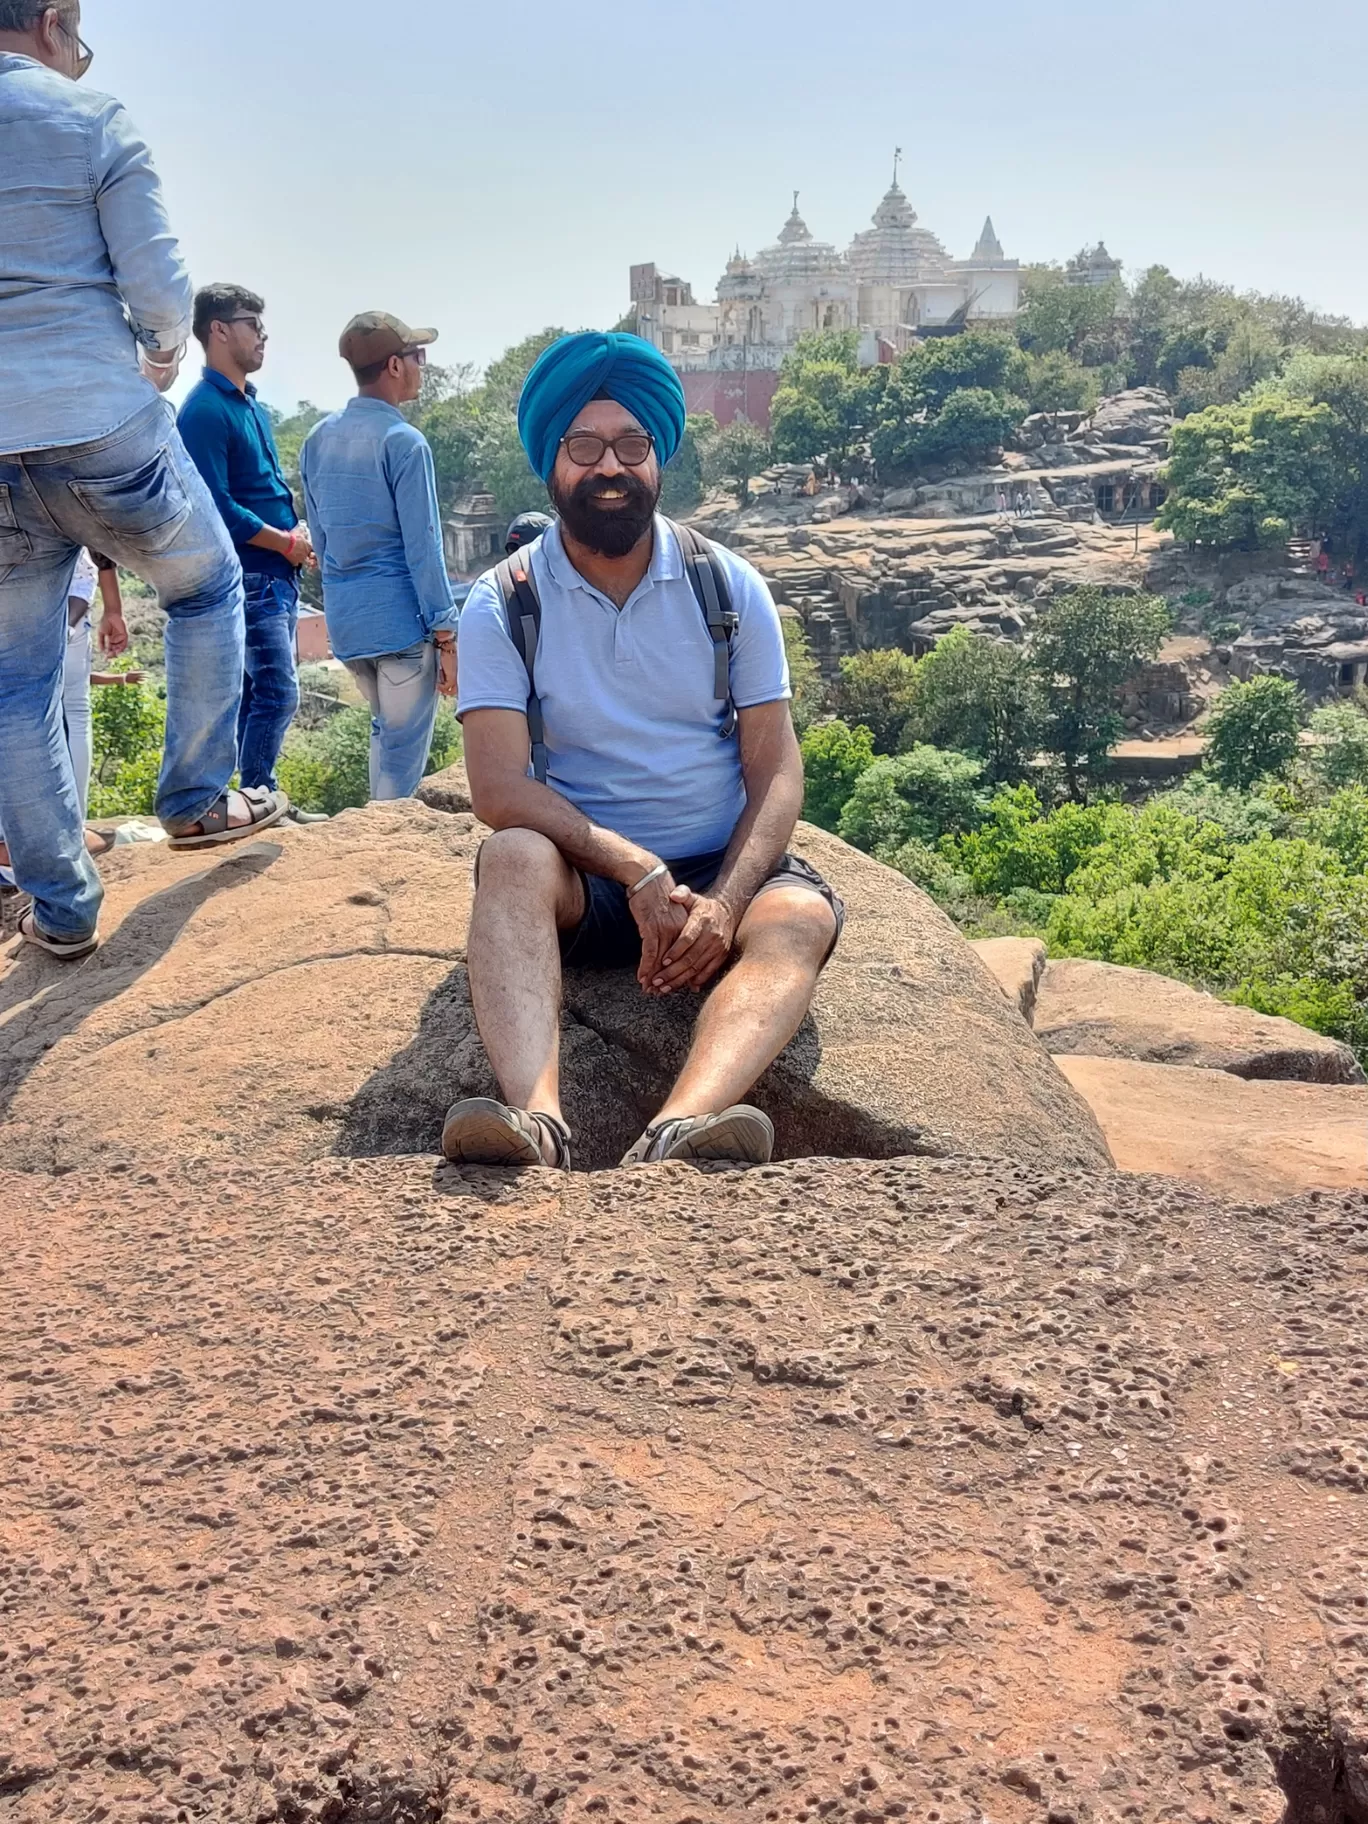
897	160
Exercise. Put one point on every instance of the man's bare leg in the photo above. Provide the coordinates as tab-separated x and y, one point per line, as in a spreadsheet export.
759	1004
527	893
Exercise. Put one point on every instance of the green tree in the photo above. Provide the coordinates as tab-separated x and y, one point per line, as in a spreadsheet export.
1247	475
805	676
453	428
877	689
504	377
682	482
823	401
502	466
918	796
739	451
834	756
956	396
1055	382
1340	756
980	696
1086	644
1078	320
1253	732
1340	384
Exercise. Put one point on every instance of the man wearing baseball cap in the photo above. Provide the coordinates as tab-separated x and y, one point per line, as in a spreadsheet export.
370	497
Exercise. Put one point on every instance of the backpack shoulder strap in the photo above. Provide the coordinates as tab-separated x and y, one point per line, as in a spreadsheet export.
708	580
522	607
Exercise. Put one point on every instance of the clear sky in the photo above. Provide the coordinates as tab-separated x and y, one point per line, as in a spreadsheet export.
492	168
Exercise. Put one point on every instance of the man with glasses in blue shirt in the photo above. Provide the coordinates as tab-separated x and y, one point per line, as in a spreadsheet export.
95	307
229	437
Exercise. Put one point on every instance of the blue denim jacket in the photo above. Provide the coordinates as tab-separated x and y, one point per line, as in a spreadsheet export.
86	250
370	497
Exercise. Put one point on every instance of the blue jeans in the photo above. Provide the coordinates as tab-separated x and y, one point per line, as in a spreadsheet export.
136	495
401	688
270	686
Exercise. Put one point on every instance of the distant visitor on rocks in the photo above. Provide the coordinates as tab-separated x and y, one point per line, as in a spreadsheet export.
371	497
624	696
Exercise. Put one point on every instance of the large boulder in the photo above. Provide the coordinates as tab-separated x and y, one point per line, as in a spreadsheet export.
1240	1139
1105	1011
922	1490
1016	964
307	993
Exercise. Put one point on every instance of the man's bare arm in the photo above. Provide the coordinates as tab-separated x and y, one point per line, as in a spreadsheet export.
772	768
502	795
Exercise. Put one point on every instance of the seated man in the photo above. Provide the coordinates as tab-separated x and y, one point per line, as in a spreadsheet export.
658	838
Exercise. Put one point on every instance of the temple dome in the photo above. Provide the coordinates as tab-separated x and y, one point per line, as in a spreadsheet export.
795	256
895	251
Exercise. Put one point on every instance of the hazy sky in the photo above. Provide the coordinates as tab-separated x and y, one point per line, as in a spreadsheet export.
490	169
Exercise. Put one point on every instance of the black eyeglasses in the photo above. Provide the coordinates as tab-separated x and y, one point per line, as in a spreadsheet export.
84	55
585	449
255	322
414	354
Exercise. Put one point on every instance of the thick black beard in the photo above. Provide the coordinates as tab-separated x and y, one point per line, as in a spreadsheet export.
608	532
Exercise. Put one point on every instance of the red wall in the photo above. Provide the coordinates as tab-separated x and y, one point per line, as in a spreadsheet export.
729	395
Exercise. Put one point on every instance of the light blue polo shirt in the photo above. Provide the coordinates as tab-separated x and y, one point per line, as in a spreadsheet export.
632	726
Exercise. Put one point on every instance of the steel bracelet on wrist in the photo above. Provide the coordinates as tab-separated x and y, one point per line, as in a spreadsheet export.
646	879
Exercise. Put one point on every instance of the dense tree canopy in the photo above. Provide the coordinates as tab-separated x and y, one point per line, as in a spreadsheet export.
1250	474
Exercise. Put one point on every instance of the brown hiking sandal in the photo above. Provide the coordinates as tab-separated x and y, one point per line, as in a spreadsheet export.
481	1131
741	1134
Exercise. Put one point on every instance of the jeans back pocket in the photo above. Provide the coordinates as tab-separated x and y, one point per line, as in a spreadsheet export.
143	511
16	547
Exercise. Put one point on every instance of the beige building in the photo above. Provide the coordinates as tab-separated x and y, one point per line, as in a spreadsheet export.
894	281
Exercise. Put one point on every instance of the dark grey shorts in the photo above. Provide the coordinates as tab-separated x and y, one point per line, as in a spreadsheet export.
607	936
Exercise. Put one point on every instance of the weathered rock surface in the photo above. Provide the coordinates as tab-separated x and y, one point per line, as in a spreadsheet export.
933	1490
307	994
1241	1139
1016	965
1105	1011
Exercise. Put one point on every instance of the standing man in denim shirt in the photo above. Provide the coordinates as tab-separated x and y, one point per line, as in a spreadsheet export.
94	310
229	438
370	496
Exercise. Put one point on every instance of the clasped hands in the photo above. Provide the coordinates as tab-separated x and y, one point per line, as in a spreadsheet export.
685	936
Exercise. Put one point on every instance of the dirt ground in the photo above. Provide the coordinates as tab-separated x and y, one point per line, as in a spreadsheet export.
924	1489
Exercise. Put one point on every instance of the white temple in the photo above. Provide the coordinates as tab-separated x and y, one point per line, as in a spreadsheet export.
893	282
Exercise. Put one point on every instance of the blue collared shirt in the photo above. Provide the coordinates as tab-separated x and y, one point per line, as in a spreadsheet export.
230	442
370	497
633	730
89	267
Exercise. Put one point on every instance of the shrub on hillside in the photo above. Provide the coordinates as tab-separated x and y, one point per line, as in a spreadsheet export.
918	796
834	756
1254	731
329	769
1340	756
877	689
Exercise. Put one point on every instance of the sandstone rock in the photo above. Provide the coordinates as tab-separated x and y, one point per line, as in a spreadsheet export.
1240	1139
1101	1010
833	1490
1143	415
448	790
307	993
1016	964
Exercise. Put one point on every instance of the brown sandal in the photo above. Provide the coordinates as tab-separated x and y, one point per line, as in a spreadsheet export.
481	1131
265	807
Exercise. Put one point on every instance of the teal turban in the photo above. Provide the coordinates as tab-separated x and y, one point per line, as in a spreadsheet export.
577	368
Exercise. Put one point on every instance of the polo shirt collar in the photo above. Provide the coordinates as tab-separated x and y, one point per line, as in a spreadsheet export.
225	385
666	566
